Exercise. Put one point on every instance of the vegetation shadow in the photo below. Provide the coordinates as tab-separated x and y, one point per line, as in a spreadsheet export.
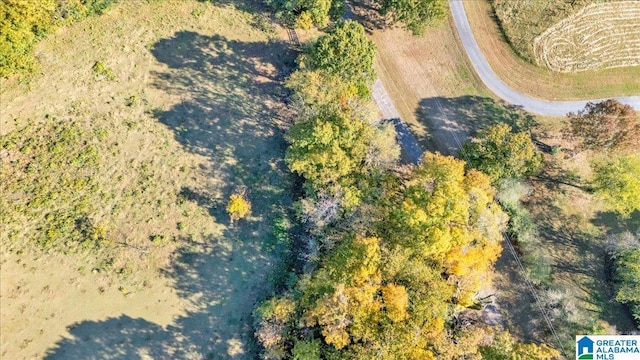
612	223
212	277
229	94
452	121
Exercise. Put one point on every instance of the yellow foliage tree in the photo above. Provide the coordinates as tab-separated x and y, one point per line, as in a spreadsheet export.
238	207
396	301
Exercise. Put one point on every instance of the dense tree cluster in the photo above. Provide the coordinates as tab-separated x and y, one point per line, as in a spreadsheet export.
392	257
305	14
336	143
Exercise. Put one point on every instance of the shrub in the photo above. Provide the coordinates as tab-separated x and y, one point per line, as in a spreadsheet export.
238	207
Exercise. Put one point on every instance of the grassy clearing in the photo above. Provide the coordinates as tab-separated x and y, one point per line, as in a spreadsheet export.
122	153
523	21
570	45
539	82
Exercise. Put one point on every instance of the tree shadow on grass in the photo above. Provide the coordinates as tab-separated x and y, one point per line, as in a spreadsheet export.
452	121
229	95
613	223
219	282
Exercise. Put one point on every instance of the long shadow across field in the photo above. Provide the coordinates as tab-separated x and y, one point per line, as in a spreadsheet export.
230	92
451	121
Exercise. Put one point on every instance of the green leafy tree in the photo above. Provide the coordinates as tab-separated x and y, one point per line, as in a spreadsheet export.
345	52
501	153
328	149
608	125
618	184
416	15
24	22
307	13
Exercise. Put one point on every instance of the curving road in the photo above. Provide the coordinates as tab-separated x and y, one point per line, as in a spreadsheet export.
491	81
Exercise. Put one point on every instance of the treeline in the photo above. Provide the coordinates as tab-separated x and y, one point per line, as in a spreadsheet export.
391	257
24	22
414	15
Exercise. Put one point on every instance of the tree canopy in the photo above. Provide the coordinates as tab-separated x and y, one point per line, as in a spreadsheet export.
328	148
308	13
389	290
608	125
345	52
618	183
501	153
23	23
415	15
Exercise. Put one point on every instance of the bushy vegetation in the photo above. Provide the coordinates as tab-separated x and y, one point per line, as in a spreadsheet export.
617	182
24	22
535	257
501	153
238	207
305	14
51	186
391	258
415	15
624	250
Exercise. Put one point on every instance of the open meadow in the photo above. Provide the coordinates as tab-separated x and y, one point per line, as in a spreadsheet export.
118	159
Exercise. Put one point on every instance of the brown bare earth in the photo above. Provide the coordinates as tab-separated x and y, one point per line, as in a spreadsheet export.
190	115
537	81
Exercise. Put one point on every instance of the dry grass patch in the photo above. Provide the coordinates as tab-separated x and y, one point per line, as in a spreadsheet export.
600	36
122	153
539	82
523	21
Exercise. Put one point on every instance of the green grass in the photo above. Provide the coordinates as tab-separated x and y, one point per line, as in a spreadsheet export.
130	177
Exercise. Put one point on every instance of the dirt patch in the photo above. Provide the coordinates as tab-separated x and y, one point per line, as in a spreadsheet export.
190	115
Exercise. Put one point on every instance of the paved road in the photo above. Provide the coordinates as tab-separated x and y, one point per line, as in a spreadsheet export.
489	78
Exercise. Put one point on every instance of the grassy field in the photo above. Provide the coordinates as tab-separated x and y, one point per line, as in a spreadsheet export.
540	82
118	160
570	45
437	93
523	21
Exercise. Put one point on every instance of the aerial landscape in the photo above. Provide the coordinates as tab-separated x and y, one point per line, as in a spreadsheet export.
289	179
